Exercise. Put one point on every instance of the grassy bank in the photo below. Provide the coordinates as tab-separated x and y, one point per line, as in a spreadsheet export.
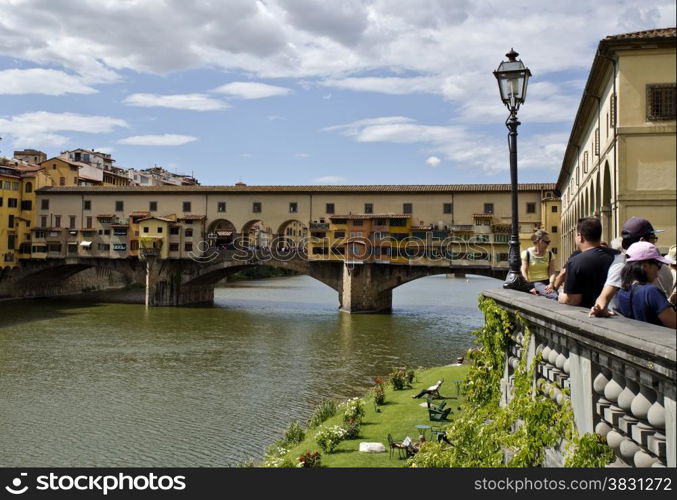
397	416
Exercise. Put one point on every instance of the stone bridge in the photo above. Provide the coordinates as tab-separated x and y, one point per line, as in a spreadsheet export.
362	287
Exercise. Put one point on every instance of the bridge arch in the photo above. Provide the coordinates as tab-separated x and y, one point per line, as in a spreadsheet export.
256	233
291	233
221	234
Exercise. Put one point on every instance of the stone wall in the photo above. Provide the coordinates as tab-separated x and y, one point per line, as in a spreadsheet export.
620	374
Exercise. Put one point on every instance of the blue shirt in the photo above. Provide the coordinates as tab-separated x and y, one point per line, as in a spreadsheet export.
647	303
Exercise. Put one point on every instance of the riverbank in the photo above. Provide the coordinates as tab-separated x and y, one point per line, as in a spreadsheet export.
398	416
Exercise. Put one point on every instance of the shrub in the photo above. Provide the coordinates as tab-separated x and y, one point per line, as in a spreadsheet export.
326	409
353	409
275	456
409	375
398	379
328	438
309	460
379	391
294	433
352	428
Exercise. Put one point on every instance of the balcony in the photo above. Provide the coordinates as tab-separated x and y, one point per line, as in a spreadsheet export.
320	226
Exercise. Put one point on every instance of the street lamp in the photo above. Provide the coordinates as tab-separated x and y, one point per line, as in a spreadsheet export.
512	78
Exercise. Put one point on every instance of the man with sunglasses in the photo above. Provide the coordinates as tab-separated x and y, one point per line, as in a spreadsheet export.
635	229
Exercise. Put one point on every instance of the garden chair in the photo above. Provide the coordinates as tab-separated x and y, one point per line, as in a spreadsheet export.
400	447
437	413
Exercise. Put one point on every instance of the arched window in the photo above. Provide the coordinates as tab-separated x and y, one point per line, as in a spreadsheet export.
29	187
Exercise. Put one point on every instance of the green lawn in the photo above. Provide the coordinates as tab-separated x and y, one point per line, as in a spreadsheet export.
398	416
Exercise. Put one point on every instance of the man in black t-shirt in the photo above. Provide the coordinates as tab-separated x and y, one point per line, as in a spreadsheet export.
586	272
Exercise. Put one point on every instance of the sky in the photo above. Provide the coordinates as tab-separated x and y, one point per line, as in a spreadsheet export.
303	91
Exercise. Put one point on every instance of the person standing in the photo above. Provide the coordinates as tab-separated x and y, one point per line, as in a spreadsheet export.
638	298
587	271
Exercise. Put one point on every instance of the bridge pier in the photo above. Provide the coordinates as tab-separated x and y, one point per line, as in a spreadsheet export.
166	285
359	291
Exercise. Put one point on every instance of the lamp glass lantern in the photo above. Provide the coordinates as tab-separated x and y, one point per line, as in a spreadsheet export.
513	78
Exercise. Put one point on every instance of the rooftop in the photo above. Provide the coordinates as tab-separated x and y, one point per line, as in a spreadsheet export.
375	188
646	34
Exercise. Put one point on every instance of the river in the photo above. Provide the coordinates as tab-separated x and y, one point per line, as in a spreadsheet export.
90	381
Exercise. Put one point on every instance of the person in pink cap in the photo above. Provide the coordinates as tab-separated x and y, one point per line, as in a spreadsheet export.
638	298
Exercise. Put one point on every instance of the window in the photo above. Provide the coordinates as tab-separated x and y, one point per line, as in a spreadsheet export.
106	232
189	233
221	207
26	205
120	247
612	110
293	207
29	187
531	208
447	208
0	201
159	229
119	206
368	208
339	234
585	162
71	222
145	229
554	209
62	181
89	222
44	204
87	204
152	206
553	229
186	206
597	141
120	231
11	241
256	207
134	245
660	101
188	247
43	221
103	247
174	230
12	202
488	208
358	222
173	247
57	221
329	208
407	208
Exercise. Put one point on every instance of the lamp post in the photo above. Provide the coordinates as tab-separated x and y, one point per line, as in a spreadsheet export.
512	78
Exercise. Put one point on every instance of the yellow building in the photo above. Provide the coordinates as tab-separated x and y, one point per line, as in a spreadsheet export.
620	159
10	211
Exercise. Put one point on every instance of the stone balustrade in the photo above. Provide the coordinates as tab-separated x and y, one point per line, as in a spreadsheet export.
618	373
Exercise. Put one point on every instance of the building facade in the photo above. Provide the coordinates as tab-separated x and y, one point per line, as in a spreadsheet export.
620	159
114	222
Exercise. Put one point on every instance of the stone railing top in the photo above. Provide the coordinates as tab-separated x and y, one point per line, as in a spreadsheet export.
644	341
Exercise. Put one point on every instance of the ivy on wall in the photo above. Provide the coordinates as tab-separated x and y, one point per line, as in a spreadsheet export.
484	434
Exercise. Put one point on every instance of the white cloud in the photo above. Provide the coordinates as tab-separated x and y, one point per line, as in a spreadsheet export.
329	179
158	140
192	102
465	148
251	90
388	85
41	81
302	155
433	161
39	128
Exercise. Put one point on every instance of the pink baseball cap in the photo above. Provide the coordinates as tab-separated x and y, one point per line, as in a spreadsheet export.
643	250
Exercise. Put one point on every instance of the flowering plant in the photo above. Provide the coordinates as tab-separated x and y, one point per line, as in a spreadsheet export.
309	459
328	438
398	379
353	409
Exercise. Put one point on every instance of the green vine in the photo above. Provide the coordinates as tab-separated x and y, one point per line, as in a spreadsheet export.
486	434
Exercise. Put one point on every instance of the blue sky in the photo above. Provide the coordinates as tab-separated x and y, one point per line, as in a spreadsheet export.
302	91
